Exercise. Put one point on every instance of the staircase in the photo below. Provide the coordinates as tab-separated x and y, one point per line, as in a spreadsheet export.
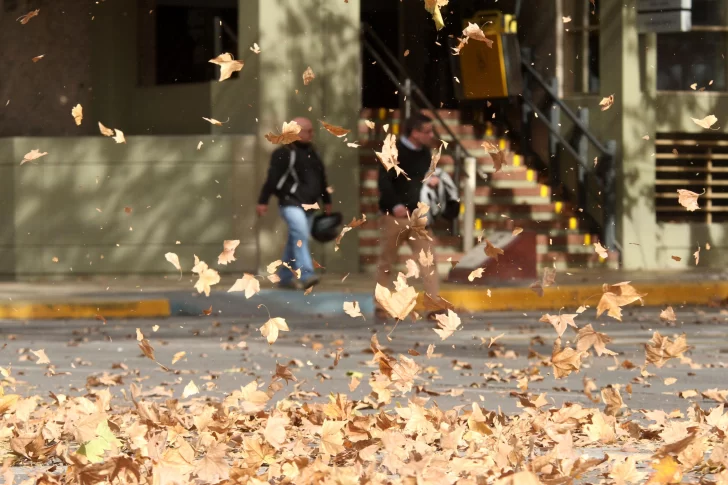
514	197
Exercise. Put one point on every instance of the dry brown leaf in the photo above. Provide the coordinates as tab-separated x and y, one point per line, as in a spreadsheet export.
33	155
213	467
332	440
696	255
119	136
472	31
352	225
413	271
560	322
77	113
174	259
228	65
398	304
255	48
24	19
669	381
517	231
206	276
667	471
42	357
624	471
190	390
587	338
566	19
448	324
289	134
564	361
492	251
426	259
275	430
105	131
476	273
607	102
335	130
284	373
433	7
668	314
661	349
248	283
213	121
178	356
613	400
270	329
688	199
352	309
308	207
601	250
228	251
388	155
436	154
616	296
706	122
308	76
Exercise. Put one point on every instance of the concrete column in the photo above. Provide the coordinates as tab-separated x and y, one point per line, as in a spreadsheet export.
628	70
296	34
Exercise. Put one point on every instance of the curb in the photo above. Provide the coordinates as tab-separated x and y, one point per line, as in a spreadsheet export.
157	308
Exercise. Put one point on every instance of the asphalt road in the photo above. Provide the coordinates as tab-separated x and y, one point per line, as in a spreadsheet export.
223	354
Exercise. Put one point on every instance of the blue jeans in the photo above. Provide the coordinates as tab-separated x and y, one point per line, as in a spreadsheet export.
299	229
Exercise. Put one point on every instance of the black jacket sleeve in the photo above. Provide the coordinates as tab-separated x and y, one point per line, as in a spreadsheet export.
325	196
278	166
388	197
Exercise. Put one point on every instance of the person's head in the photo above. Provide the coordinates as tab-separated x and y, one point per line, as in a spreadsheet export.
306	133
418	129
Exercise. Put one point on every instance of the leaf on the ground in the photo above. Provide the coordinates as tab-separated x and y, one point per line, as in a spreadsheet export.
564	361
353	224
688	199
601	250
492	251
587	338
206	277
433	7
248	283
624	471
560	322
613	400
24	19
667	471
42	357
308	76
275	430
213	467
332	440
308	207
388	155
668	315
669	381
105	131
661	349
476	273
426	259
228	65
706	122
398	304
190	390
436	154
352	309
615	297
228	251
270	329
77	113
104	441
33	155
335	130
607	102
253	400
494	339
448	324
289	133
8	402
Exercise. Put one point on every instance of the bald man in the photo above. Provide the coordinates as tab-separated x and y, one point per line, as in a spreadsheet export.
296	176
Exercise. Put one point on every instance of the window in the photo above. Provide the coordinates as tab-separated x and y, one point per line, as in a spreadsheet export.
581	47
182	36
698	56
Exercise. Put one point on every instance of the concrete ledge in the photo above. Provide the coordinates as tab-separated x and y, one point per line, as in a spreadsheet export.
85	309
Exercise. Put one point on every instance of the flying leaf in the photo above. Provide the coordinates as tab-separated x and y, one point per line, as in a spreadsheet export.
398	304
228	251
228	65
24	19
388	155
255	48
105	131
560	322
566	19
119	136
207	277
706	122
289	134
33	155
616	296
332	440
517	231
174	259
275	430
696	255
476	273
38	58
688	199
433	7
370	124
314	206
661	349
308	76
352	309
668	315
248	283
564	361
607	102
413	271
426	259
178	356
492	251
213	121
42	357
433	163
77	113
587	338
613	399
335	130
190	390
601	250
284	373
353	224
472	31
270	329
448	324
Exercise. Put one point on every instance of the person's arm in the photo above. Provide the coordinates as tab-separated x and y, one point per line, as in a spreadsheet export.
278	166
389	200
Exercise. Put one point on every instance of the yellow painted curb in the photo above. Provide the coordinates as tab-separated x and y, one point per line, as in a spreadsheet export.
87	309
572	296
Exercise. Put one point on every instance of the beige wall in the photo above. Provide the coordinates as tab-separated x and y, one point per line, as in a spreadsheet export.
177	193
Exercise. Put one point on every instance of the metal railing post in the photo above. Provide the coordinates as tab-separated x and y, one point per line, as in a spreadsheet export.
609	230
407	98
582	147
468	201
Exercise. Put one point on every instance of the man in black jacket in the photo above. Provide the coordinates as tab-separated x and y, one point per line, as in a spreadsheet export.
398	197
296	176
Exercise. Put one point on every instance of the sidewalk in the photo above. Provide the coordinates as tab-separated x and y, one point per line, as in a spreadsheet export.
150	297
